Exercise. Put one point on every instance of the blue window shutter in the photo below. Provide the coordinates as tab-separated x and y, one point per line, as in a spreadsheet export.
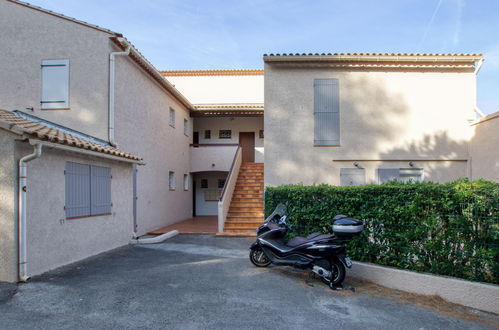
100	185
77	190
326	112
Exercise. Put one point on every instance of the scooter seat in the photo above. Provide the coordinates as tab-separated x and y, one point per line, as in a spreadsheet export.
298	240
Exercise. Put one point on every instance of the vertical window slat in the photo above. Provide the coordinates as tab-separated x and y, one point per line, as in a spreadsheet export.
100	185
326	112
77	190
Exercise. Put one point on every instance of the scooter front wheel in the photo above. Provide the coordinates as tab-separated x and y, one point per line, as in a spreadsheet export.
258	258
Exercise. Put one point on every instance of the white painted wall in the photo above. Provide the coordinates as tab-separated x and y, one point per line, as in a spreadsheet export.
384	116
53	241
220	89
212	158
207	207
29	36
8	208
484	148
142	128
237	125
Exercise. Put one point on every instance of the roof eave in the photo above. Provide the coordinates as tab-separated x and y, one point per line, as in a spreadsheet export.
65	147
138	58
372	58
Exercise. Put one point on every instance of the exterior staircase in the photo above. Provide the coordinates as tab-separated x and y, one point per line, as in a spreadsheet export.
246	207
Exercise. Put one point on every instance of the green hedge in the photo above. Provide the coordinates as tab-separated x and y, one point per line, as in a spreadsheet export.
447	229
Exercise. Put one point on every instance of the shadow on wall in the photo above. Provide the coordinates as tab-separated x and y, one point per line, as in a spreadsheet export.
484	149
448	156
8	226
370	117
376	124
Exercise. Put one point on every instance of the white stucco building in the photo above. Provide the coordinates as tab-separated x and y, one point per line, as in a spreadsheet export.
98	147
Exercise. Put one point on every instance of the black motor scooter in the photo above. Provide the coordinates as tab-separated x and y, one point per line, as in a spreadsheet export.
323	254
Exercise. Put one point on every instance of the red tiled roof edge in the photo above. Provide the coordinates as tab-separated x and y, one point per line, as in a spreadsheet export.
32	129
230	72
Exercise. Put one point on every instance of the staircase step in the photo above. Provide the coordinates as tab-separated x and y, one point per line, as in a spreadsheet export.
245	218
251	192
239	230
252	187
242	234
246	207
243	209
244	214
247	194
249	180
248	189
247	199
246	203
239	225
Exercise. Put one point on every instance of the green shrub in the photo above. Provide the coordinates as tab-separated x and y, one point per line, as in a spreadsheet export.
447	229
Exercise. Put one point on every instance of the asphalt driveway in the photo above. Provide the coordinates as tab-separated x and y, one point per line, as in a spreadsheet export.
206	282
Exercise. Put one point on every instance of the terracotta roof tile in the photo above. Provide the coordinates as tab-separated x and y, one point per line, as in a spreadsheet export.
42	132
189	73
375	54
381	60
226	106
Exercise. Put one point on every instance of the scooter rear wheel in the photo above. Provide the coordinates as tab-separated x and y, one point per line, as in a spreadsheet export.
338	274
258	258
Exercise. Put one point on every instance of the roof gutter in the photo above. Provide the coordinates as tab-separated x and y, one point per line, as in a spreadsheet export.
84	151
112	69
479	66
21	211
152	71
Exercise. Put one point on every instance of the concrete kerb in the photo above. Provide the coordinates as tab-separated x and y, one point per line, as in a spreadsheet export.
156	239
476	295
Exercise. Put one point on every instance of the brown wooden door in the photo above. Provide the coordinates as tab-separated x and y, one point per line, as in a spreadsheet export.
247	143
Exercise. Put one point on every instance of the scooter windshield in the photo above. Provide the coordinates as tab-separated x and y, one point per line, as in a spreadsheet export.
280	211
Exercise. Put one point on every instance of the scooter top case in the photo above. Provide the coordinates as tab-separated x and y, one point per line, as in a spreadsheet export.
345	227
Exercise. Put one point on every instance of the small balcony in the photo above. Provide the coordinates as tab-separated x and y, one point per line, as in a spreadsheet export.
212	157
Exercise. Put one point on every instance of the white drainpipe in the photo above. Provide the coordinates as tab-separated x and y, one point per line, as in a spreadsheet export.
111	92
23	181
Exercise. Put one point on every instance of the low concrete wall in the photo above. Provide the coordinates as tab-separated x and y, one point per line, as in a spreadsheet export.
481	296
230	185
484	152
202	158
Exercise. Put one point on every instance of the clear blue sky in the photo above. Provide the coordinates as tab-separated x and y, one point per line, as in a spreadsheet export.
234	34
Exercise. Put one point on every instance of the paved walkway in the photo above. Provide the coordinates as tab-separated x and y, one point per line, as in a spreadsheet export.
196	225
205	282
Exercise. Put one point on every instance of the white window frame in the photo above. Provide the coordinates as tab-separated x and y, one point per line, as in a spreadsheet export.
186	182
55	83
171	180
186	127
227	134
171	119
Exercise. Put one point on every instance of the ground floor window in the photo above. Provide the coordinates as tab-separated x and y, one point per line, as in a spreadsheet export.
186	182
224	134
88	190
171	180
